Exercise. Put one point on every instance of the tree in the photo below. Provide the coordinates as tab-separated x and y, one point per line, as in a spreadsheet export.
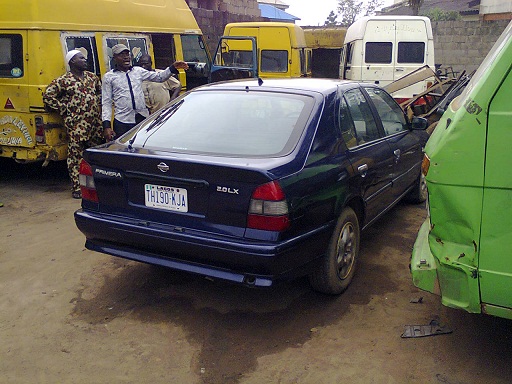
331	20
349	10
415	6
437	14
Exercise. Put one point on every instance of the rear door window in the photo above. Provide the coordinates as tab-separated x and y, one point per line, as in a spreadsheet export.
348	129
274	61
378	53
11	55
411	52
360	112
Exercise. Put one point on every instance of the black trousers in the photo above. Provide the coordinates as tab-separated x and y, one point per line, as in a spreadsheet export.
121	128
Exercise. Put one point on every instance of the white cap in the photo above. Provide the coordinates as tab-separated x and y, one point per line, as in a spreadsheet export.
71	54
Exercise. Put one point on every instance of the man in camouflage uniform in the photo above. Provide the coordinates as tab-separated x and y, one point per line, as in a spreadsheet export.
76	95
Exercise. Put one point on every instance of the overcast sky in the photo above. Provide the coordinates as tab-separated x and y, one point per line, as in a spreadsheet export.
315	12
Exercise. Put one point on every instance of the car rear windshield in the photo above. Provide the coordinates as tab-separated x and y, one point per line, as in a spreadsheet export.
230	123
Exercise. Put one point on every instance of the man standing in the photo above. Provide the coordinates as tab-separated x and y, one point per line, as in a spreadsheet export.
76	97
122	89
157	95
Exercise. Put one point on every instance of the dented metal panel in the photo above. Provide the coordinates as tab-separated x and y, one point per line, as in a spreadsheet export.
463	250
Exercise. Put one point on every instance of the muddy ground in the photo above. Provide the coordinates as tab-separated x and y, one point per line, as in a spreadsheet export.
69	315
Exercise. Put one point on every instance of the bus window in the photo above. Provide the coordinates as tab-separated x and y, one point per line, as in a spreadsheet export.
11	55
193	49
164	49
87	45
411	52
378	53
302	62
274	61
138	46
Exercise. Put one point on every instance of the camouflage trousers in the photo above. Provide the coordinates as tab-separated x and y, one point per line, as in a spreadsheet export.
75	153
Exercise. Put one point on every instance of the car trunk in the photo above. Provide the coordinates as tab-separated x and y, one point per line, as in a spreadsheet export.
195	195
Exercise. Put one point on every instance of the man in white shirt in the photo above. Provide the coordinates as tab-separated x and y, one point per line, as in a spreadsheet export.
122	89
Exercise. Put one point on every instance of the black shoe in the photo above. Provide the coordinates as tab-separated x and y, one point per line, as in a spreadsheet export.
77	195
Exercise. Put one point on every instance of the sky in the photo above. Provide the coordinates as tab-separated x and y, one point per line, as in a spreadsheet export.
315	12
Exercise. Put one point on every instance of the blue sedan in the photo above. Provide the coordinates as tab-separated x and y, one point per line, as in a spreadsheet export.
254	181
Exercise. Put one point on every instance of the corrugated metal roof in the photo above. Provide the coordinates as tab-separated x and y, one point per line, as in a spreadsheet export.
270	12
461	6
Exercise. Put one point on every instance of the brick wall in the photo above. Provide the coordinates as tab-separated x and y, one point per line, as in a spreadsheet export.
464	44
212	21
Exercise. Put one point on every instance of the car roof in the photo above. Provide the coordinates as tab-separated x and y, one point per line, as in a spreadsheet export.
324	86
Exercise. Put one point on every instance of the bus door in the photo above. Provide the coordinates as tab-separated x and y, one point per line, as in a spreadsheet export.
235	58
378	61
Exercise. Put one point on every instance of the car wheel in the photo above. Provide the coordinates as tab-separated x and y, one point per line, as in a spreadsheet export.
419	193
336	270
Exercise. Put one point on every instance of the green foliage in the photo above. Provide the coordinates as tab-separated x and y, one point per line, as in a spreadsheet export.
349	10
437	14
331	20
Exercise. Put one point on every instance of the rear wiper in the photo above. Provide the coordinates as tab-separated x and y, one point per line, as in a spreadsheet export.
164	115
157	122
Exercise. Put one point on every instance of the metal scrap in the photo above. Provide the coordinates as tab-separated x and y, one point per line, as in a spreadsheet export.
432	329
431	103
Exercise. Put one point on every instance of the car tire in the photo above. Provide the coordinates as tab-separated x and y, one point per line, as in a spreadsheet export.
337	268
419	193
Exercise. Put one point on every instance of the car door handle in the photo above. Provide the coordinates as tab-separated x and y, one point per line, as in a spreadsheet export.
363	169
397	153
399	69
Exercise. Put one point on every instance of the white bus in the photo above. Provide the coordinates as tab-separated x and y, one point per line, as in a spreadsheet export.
382	49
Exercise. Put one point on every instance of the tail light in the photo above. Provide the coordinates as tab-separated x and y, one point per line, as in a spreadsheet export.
268	209
425	164
87	185
40	139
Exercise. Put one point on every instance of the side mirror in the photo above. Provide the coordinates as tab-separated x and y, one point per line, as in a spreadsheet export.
419	123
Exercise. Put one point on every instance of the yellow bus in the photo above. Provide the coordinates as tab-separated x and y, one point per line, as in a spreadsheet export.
261	49
36	35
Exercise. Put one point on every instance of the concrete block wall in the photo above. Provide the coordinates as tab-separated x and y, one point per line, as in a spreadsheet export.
463	45
213	21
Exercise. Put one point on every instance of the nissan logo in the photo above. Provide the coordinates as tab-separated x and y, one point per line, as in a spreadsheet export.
163	167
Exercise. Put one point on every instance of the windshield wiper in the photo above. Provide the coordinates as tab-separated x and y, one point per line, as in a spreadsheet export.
157	122
164	115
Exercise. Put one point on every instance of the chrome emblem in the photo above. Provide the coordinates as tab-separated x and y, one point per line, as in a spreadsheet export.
163	167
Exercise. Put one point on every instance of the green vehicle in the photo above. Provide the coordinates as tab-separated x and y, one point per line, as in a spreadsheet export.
464	249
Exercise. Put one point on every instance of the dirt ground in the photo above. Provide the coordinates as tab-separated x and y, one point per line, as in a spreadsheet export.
69	315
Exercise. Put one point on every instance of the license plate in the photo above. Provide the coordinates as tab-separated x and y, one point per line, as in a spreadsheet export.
169	198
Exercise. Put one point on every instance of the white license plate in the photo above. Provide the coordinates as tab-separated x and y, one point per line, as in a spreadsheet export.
170	198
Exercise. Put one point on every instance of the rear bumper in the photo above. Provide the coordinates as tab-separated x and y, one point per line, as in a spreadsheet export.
38	153
221	257
423	263
436	268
